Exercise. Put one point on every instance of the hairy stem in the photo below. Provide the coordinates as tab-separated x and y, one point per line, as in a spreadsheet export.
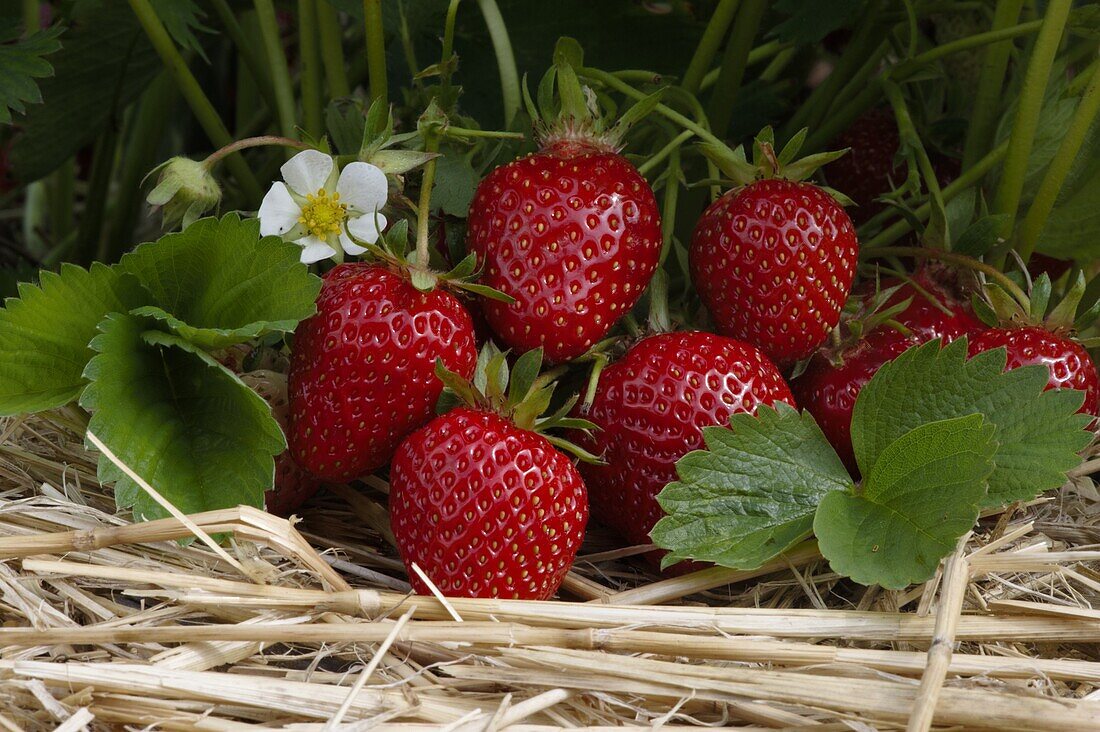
669	149
376	49
914	64
263	141
276	60
734	60
964	261
1060	165
424	206
189	87
1030	104
308	40
709	44
332	50
506	60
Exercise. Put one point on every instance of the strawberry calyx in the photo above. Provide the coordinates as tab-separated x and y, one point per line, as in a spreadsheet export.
575	120
862	315
998	309
766	163
520	394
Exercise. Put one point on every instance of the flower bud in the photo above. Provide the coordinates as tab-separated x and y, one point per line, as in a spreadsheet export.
185	190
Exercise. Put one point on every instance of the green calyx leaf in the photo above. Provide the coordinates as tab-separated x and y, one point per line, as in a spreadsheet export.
1038	432
923	493
396	162
218	282
766	164
179	419
1064	315
44	333
752	493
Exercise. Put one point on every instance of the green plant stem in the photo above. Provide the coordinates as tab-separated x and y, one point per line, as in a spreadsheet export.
60	192
95	204
424	205
859	80
1030	104
910	67
907	133
506	60
622	87
778	64
445	62
263	141
308	39
1077	84
332	50
407	46
866	39
461	132
668	150
761	53
971	176
983	118
189	87
276	60
143	136
960	259
709	44
1059	168
31	17
246	50
839	121
376	49
734	60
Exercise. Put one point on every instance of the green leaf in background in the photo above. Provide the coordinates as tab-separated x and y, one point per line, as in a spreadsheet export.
217	282
1039	432
44	334
752	494
181	20
1072	231
806	23
456	181
23	62
104	64
981	236
179	419
922	494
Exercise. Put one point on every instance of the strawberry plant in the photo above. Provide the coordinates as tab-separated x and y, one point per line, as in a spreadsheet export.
799	276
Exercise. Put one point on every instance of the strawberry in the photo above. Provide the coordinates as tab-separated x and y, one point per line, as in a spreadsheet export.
361	373
293	485
480	502
1031	336
650	407
572	233
871	169
774	259
1069	363
888	323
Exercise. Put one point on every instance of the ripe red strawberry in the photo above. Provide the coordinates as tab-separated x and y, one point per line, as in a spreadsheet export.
774	261
293	487
1069	363
871	168
362	370
574	235
650	408
828	387
484	506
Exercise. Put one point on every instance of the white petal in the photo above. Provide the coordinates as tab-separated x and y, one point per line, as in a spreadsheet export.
315	249
278	212
349	246
362	187
307	172
367	228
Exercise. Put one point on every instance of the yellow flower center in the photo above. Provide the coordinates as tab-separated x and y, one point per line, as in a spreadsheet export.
323	214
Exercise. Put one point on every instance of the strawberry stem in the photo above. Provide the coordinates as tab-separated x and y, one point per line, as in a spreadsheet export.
962	260
215	157
423	208
376	49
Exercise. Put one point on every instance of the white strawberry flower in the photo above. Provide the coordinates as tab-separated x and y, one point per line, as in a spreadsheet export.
318	205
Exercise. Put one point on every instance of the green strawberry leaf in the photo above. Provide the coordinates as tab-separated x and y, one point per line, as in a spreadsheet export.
1039	432
23	62
44	333
752	493
179	419
217	282
922	494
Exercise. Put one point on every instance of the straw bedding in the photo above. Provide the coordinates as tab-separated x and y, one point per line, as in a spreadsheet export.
310	625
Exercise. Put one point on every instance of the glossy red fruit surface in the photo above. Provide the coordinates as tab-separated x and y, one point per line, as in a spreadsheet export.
650	408
574	235
1069	363
485	508
773	262
828	387
362	373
